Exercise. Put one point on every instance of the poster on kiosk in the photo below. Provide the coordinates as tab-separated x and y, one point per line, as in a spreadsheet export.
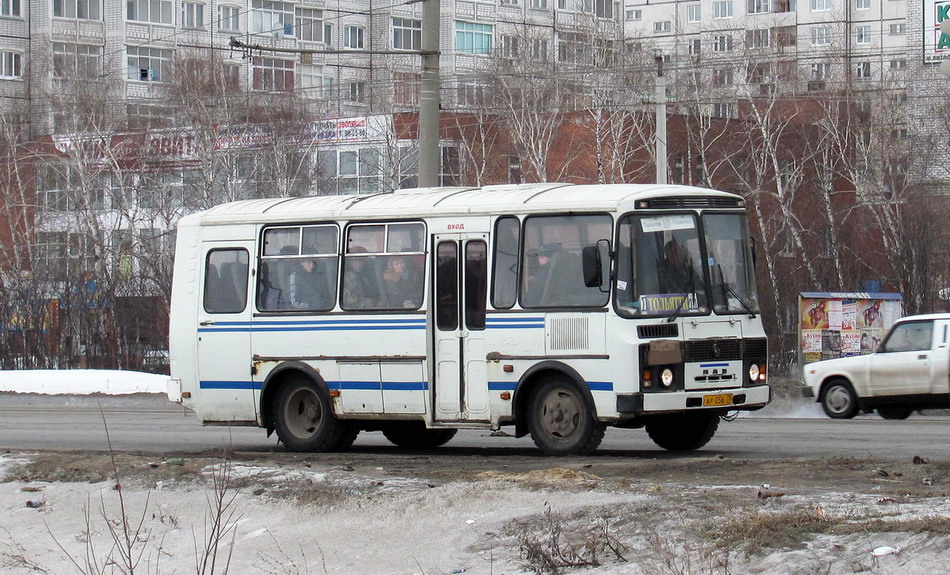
835	324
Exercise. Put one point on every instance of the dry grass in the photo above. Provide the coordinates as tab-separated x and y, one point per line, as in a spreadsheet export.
756	531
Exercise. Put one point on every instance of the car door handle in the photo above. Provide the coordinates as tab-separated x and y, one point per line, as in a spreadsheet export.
922	356
206	322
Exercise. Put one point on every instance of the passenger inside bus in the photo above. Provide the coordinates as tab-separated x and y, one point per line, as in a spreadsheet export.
403	284
308	287
360	290
538	280
676	271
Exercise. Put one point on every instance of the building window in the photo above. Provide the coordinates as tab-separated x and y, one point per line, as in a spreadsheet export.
311	80
472	38
156	11
272	74
353	37
898	64
721	110
662	26
539	4
406	88
821	36
229	18
407	34
863	4
862	35
820	71
358	92
694	46
633	15
758	6
898	29
693	13
863	70
148	64
354	171
472	93
509	2
722	43
192	15
574	48
722	77
79	9
722	9
76	61
10	8
539	49
272	17
820	5
11	65
308	25
508	46
761	38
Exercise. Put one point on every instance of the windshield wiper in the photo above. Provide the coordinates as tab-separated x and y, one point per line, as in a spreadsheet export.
686	291
728	288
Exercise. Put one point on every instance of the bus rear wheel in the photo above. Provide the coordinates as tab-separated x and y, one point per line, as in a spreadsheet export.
304	419
415	435
682	431
561	421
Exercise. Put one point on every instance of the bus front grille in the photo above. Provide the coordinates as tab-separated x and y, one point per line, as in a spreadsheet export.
724	349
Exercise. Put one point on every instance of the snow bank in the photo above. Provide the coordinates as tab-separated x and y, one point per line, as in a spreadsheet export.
82	381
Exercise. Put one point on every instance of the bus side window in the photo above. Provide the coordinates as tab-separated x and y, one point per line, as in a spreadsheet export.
225	289
505	264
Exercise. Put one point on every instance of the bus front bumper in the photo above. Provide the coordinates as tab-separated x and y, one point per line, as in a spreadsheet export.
742	398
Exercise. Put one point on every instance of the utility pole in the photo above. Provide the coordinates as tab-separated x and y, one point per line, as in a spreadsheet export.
429	157
660	120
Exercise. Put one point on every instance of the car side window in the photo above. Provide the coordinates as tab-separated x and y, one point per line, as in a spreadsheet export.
911	336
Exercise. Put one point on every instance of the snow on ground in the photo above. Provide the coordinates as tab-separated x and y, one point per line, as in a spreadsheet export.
81	381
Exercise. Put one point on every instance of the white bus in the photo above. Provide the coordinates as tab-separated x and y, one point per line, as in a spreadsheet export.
559	309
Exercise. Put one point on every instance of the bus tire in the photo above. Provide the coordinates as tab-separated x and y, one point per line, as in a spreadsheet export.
415	435
561	420
683	431
304	420
838	400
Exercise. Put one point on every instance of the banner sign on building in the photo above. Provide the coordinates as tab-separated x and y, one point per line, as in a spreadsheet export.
936	43
832	324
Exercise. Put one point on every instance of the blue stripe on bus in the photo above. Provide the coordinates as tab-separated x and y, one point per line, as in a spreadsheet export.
352	385
510	385
248	385
600	385
514	322
325	325
714	365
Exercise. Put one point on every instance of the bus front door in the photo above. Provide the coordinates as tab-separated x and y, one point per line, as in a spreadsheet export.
460	279
224	333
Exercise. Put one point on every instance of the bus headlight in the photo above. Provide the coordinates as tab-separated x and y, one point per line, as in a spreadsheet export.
666	377
754	372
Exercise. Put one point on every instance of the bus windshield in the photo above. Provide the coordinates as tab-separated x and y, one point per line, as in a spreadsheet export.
730	264
670	265
659	270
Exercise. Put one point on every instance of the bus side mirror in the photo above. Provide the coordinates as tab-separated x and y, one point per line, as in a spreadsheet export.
596	264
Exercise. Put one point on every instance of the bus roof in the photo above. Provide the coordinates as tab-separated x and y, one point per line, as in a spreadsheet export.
430	202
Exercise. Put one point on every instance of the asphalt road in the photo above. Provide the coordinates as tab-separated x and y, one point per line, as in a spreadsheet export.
153	424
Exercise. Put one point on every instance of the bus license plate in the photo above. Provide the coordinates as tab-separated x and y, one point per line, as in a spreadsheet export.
717	400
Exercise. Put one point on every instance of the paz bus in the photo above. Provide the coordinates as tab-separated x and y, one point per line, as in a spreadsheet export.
557	309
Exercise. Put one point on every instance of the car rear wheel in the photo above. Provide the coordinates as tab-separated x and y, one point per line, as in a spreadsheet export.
839	400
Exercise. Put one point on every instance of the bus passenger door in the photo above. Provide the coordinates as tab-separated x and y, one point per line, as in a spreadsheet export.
459	299
224	333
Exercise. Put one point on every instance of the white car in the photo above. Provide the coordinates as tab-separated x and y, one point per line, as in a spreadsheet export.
910	370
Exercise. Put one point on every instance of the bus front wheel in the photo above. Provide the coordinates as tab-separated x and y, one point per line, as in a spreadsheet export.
683	431
561	421
304	419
